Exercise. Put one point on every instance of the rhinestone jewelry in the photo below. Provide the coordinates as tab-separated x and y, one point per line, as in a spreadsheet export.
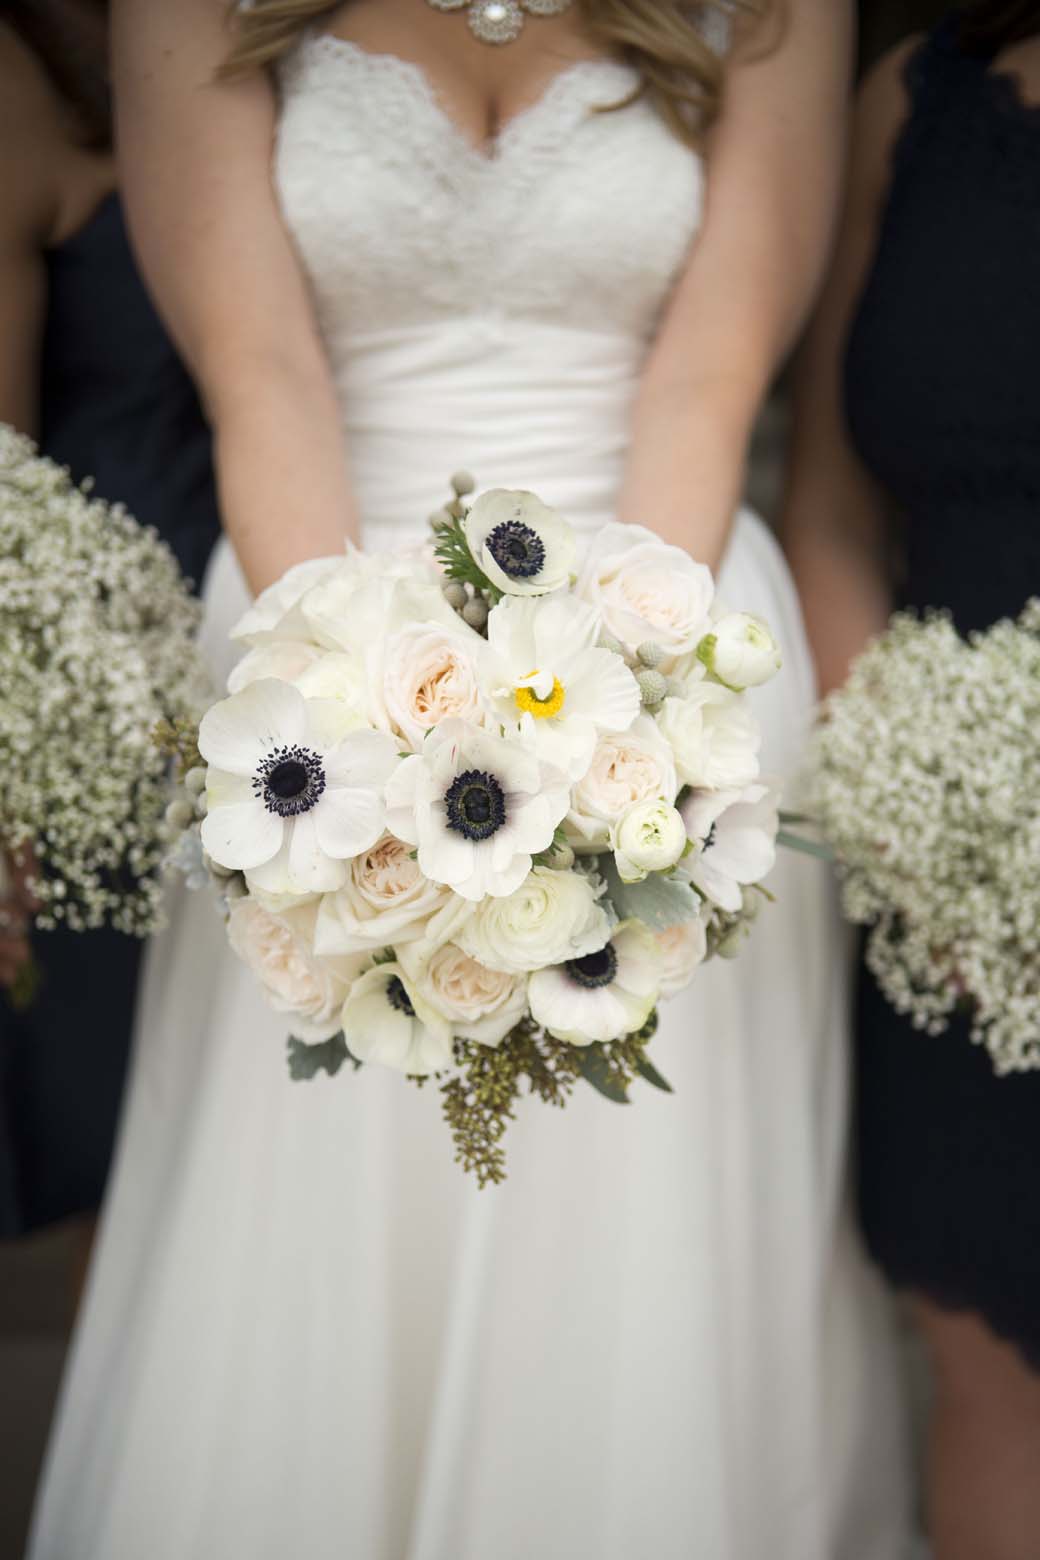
500	21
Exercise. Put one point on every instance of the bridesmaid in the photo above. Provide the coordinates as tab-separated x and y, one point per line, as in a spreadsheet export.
916	481
86	369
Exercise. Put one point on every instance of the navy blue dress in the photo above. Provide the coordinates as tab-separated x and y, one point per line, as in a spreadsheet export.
118	406
943	403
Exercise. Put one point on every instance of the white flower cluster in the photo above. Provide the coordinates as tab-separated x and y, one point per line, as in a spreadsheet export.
96	647
924	782
431	832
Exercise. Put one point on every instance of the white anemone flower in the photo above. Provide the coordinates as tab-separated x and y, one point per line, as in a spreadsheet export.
523	546
545	678
291	791
602	996
735	835
387	1021
477	806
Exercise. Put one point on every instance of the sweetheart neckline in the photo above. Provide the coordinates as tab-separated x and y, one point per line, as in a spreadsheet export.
515	129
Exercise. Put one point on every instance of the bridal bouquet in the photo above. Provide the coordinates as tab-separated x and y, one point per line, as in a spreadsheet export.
473	813
96	647
924	783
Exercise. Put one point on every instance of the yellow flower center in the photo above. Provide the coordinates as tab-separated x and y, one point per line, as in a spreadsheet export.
542	709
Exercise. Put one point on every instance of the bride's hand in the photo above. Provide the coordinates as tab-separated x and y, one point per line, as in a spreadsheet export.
17	904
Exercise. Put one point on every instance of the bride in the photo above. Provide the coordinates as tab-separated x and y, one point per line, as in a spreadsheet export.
307	1334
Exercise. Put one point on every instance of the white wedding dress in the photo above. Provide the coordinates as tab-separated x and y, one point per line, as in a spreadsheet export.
307	1334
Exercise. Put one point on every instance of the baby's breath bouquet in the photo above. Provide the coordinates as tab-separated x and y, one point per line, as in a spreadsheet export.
474	811
924	781
96	648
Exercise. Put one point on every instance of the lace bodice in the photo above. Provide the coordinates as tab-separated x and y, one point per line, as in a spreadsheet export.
572	217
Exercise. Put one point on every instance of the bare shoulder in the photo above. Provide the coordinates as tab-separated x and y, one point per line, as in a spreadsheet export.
882	108
35	145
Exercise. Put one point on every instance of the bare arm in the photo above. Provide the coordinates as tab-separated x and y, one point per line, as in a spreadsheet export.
196	170
774	166
834	517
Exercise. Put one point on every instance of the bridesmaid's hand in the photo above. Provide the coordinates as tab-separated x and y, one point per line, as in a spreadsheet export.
17	905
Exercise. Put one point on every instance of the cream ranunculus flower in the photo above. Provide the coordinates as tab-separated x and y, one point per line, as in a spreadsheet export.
523	546
627	767
551	917
713	735
430	675
647	590
740	651
308	989
385	901
480	1004
649	837
386	1021
682	950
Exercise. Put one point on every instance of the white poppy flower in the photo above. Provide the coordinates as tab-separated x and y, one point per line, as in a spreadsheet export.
682	949
553	916
479	1004
649	837
740	651
627	767
478	808
602	996
384	902
735	834
545	678
523	547
275	614
386	1021
294	980
647	590
713	735
291	791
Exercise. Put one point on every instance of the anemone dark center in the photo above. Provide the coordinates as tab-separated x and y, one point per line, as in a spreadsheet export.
518	551
475	805
710	838
398	998
594	969
289	781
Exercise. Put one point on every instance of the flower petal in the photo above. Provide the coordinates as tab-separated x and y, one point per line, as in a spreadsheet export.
236	732
348	821
242	835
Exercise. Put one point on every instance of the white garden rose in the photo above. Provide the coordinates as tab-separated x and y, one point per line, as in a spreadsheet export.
713	735
294	980
647	590
275	614
387	1021
627	767
430	674
649	837
480	1004
551	917
284	659
682	949
740	651
385	901
523	546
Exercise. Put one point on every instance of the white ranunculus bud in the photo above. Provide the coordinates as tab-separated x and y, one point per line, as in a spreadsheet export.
740	651
649	837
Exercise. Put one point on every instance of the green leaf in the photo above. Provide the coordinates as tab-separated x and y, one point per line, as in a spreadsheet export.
306	1060
592	1065
807	847
647	1070
452	551
659	901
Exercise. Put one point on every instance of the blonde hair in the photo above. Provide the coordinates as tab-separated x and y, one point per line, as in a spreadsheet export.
680	73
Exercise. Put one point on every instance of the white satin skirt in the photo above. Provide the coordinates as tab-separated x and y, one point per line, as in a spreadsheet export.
307	1334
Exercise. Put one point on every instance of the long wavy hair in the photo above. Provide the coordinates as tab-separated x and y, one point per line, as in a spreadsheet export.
679	72
990	25
78	76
